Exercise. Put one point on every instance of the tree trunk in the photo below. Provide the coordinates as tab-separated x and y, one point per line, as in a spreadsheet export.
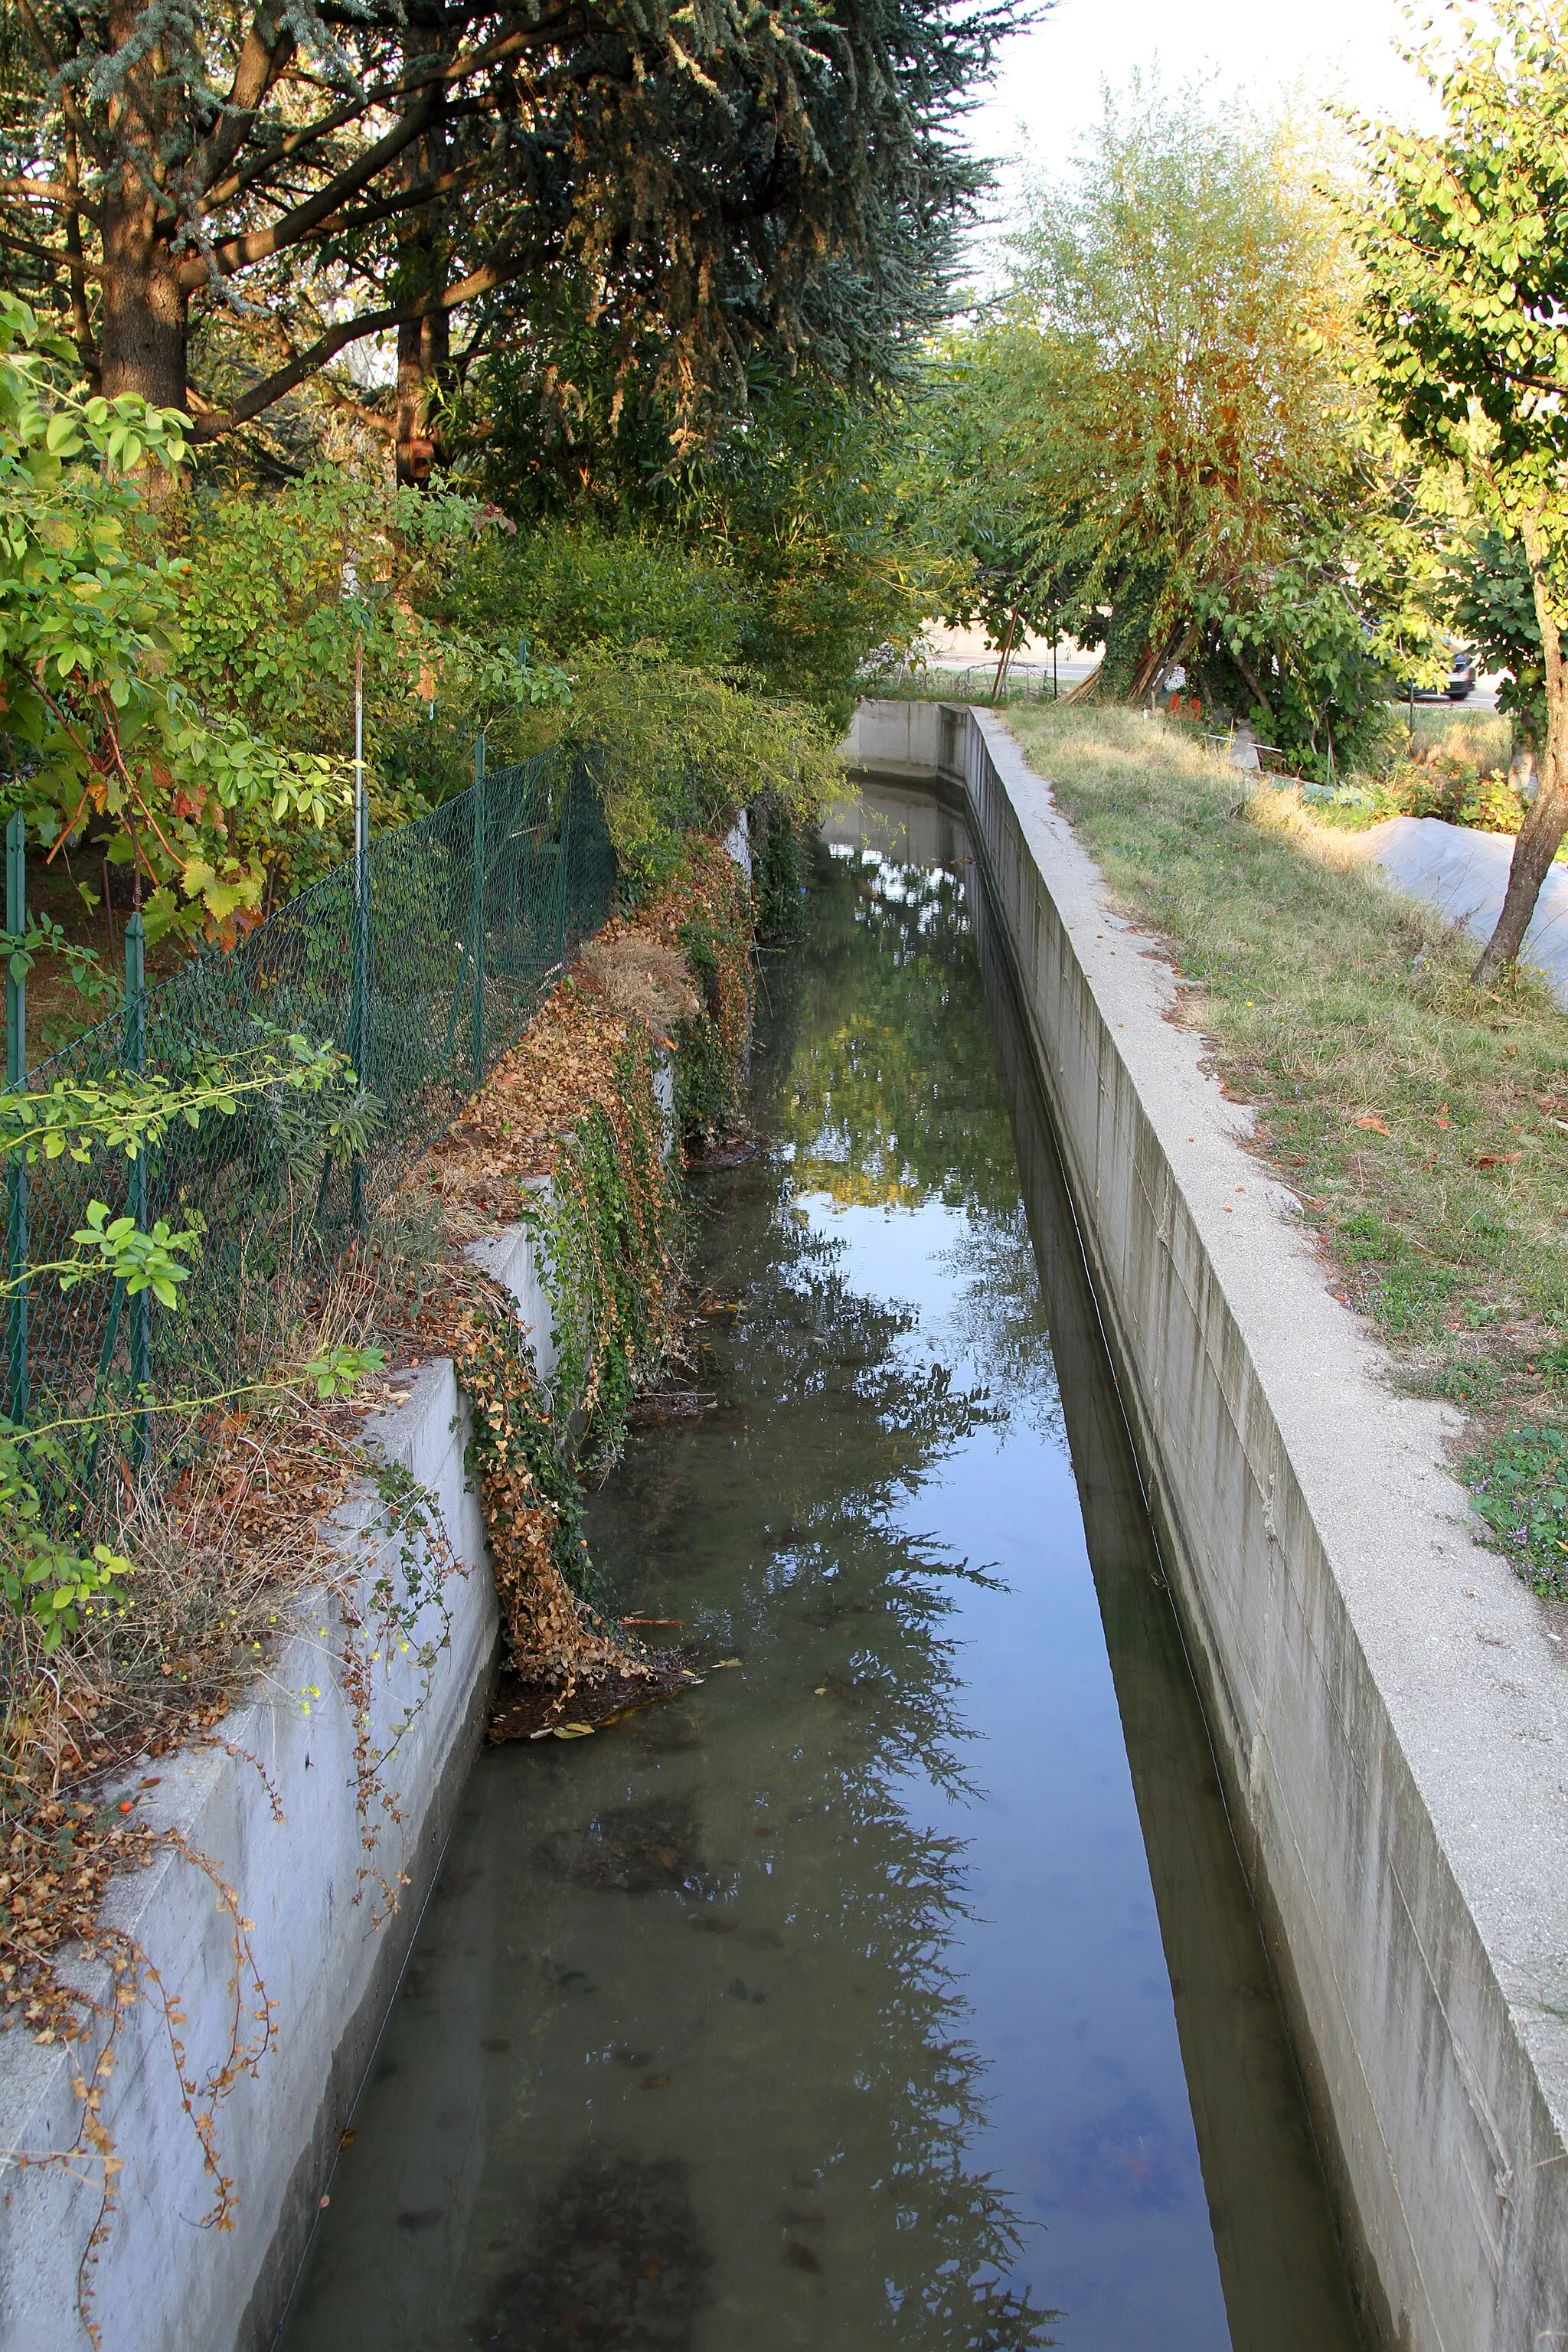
1546	820
144	319
1156	660
424	345
145	313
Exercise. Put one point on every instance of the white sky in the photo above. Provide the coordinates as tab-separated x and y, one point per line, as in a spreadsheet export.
1047	93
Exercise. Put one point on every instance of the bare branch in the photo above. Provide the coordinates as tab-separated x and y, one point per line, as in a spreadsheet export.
409	199
65	259
258	245
213	423
259	67
50	192
446	73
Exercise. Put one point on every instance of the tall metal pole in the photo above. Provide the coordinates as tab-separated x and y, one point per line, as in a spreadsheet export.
17	1396
141	1304
480	910
359	1007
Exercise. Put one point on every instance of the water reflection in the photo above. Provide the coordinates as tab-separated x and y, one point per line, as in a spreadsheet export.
827	2007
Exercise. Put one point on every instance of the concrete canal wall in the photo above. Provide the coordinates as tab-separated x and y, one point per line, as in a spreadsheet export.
270	1804
272	1808
1388	1704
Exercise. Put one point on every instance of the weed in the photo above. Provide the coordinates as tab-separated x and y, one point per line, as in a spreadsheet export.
1518	1485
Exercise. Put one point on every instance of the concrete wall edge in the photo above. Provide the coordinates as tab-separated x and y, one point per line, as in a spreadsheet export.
1386	1701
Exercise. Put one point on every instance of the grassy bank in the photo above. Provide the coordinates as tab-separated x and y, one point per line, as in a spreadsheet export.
1424	1124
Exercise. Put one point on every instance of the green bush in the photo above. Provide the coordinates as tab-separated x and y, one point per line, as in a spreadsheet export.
681	750
568	589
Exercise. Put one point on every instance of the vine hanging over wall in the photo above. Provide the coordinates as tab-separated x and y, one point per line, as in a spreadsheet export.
532	1508
612	1243
612	1237
577	1103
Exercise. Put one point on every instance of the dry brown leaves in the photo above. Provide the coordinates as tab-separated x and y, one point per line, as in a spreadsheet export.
240	1534
632	975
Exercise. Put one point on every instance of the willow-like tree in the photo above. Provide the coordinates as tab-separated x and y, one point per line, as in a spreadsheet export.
1158	435
1465	241
305	175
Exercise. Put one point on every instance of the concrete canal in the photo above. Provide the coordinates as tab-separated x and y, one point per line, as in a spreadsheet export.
899	1985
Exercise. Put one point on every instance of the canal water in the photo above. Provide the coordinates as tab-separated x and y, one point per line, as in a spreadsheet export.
898	1986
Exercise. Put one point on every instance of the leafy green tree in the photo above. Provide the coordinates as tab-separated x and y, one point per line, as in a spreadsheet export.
96	727
681	751
799	530
1160	436
1016	571
1464	242
814	498
270	637
1493	603
563	586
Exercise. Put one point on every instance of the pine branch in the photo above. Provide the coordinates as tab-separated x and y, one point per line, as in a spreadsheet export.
213	423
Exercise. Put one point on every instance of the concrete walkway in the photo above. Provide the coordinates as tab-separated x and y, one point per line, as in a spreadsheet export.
1464	874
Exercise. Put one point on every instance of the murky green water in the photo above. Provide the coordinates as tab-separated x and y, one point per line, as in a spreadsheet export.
898	1986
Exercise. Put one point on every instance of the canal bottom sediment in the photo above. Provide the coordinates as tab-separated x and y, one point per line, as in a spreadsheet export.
900	1984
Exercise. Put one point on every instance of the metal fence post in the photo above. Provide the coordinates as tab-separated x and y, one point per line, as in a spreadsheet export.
360	1005
479	909
564	870
17	1398
141	1304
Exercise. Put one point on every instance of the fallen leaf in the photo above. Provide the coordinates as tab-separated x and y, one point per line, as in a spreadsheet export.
1443	1115
724	1662
1493	1159
1367	1119
572	1730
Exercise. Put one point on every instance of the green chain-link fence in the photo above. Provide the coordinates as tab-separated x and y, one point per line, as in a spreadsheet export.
422	960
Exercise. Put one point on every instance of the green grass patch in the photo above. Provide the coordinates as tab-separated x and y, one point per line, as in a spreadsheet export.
1518	1485
1422	1123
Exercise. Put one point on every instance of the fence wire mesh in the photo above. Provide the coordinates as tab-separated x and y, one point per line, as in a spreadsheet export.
422	960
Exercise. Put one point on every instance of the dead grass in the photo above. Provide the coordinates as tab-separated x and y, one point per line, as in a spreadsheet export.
510	1132
641	976
1484	736
1424	1125
634	976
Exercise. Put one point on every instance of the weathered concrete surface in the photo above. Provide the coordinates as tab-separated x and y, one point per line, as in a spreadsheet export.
273	1808
1464	874
1388	1703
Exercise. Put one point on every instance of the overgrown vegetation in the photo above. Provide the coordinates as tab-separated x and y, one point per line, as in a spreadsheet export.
209	1566
1422	1120
1465	771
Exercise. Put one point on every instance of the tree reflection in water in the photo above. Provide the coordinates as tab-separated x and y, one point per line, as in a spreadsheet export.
875	1075
684	2058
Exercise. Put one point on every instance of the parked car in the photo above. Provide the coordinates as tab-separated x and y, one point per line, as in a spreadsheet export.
1460	681
1462	675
